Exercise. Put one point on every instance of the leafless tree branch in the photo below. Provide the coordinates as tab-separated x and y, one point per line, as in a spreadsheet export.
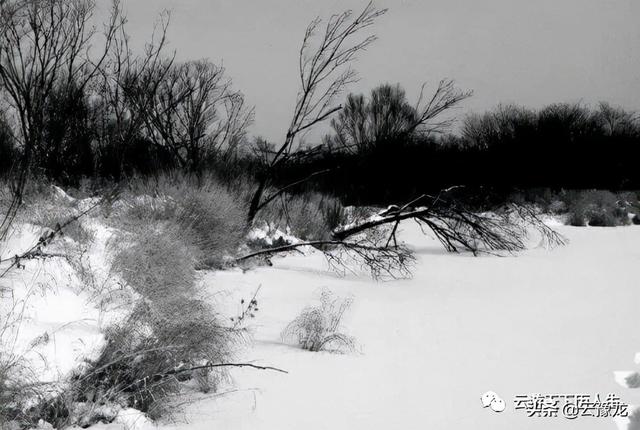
324	70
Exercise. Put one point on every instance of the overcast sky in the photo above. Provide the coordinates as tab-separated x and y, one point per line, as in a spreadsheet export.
530	52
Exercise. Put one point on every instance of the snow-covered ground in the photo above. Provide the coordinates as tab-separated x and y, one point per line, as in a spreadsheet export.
550	322
47	316
555	321
51	320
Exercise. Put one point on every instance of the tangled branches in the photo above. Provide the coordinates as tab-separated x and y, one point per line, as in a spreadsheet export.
383	262
372	243
460	229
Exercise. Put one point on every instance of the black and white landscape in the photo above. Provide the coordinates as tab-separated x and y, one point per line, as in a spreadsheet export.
319	215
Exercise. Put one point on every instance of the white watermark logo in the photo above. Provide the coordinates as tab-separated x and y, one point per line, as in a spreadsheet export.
493	401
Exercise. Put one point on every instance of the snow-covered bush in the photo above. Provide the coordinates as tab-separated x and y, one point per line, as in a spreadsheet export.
15	388
318	328
18	384
157	263
55	211
172	327
24	398
148	355
209	217
46	205
629	379
164	232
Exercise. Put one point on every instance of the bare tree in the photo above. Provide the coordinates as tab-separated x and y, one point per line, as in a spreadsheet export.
324	72
196	113
127	87
616	120
445	97
504	123
44	43
387	116
569	120
364	123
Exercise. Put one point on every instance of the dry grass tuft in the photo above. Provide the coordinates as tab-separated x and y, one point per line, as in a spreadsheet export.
317	328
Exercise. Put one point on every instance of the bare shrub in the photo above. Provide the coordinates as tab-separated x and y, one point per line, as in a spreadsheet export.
308	216
557	207
52	215
206	380
17	388
249	309
304	217
46	205
334	214
208	216
138	365
317	328
172	326
170	227
598	208
157	263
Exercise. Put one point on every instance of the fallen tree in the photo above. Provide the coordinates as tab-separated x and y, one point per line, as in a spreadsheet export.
459	228
381	261
373	242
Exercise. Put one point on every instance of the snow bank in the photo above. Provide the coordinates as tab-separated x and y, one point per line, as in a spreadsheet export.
55	307
268	236
126	419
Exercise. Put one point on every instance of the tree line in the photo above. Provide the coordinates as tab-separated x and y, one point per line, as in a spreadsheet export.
560	146
79	102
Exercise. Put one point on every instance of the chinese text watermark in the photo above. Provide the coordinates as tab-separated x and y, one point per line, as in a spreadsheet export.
571	406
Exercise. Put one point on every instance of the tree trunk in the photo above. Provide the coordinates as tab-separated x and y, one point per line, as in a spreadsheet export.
255	201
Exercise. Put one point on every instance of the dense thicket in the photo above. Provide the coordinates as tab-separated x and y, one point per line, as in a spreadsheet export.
562	146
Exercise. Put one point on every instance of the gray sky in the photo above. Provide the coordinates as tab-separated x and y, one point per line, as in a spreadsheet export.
524	51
